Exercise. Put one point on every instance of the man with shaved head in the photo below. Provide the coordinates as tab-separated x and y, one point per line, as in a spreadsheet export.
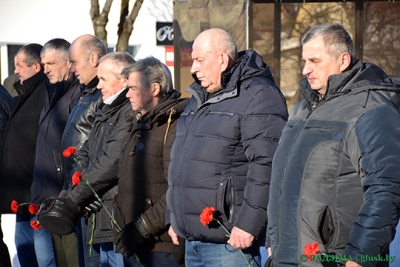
84	55
222	155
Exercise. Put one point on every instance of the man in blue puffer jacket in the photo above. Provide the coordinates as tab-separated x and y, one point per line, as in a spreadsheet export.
335	191
222	155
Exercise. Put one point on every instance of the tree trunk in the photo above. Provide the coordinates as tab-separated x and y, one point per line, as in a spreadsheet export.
123	15
127	26
100	20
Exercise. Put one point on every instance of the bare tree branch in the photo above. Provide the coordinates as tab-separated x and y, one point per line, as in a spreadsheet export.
100	20
123	38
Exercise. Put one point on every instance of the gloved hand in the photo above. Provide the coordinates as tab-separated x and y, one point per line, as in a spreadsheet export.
77	208
95	206
128	240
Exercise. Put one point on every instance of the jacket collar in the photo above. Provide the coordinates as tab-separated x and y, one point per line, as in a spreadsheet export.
90	87
30	84
121	99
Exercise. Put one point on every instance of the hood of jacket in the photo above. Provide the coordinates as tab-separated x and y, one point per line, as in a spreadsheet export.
248	66
360	77
169	104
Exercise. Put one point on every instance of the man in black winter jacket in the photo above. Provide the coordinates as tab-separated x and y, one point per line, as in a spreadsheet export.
84	55
17	155
99	156
335	191
47	174
5	112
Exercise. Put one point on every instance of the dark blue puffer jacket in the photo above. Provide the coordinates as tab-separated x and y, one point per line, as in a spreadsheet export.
47	175
335	172
223	151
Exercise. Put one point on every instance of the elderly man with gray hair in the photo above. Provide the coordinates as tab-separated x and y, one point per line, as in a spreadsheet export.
47	173
99	156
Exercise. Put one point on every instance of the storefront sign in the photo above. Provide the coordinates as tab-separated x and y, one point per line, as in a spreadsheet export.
164	33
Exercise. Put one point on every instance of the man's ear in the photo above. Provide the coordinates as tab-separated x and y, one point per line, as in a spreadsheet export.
94	59
223	60
37	67
345	60
155	89
69	64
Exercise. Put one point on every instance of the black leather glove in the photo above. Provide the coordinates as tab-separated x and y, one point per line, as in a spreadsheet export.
128	240
77	208
95	206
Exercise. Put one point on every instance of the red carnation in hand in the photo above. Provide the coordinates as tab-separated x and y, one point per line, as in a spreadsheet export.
76	178
14	206
33	209
311	249
36	224
207	215
69	151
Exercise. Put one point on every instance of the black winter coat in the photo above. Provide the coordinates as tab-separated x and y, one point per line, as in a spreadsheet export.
143	172
99	159
79	123
335	173
47	176
5	110
222	154
17	154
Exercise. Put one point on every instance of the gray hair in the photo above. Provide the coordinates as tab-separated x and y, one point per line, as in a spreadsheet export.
151	71
336	39
61	45
120	60
32	53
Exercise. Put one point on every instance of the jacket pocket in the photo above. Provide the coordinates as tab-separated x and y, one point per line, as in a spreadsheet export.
326	226
105	222
226	199
57	165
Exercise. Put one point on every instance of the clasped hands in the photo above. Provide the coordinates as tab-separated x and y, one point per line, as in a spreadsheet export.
238	239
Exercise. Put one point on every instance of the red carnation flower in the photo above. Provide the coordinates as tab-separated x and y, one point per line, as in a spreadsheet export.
76	178
311	249
14	206
207	215
69	151
36	225
33	209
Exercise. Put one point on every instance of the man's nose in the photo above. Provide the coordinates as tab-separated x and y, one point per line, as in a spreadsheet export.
306	69
194	67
